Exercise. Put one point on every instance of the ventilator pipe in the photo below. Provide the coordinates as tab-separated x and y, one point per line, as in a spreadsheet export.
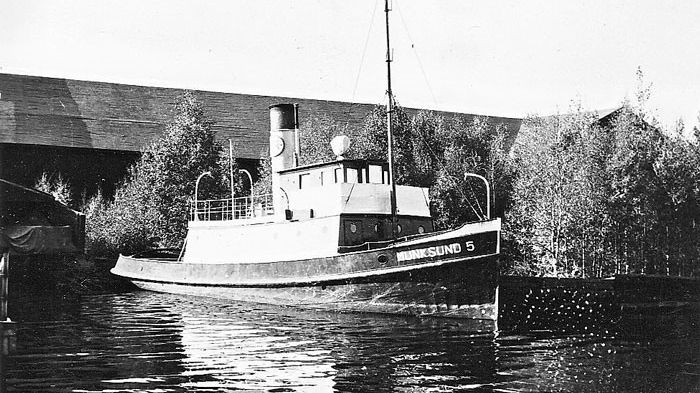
488	192
196	191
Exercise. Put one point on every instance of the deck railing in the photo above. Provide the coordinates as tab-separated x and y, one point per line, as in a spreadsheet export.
232	209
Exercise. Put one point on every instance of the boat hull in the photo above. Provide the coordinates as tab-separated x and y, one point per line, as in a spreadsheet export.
447	275
453	291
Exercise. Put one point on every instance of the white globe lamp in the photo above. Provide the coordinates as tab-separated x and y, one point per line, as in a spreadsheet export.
340	145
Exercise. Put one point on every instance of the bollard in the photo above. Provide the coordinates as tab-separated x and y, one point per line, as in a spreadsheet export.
9	339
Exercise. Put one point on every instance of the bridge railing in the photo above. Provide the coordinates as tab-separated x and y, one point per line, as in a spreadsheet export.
232	209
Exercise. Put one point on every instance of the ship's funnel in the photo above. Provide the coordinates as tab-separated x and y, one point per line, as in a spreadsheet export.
283	150
282	136
282	117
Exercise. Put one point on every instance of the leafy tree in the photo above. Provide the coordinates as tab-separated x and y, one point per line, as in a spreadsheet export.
315	137
369	142
654	205
151	206
461	148
596	201
372	142
678	170
57	186
556	206
428	149
263	185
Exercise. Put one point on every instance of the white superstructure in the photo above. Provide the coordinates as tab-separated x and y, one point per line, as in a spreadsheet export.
316	210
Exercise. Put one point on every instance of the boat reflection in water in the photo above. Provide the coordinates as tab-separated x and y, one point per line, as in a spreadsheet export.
249	347
156	342
325	351
148	341
238	353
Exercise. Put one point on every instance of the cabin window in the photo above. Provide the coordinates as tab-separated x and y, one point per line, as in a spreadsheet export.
304	179
321	176
351	175
375	174
353	232
421	229
339	175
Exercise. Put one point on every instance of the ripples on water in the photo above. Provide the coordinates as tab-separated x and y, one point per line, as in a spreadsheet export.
150	342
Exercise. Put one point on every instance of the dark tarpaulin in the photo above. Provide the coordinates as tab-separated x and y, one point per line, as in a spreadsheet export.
33	222
38	239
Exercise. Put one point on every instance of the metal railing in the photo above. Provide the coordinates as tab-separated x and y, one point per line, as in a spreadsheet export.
232	209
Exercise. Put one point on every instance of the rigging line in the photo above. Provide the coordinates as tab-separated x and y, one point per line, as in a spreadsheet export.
364	50
362	61
415	52
458	183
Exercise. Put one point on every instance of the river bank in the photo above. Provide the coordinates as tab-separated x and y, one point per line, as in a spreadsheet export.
65	276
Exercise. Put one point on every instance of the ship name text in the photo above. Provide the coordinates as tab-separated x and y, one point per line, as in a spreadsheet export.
430	252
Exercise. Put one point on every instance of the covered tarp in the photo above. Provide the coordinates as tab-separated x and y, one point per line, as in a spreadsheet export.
38	239
33	222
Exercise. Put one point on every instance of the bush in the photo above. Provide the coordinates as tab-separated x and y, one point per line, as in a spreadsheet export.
151	207
58	187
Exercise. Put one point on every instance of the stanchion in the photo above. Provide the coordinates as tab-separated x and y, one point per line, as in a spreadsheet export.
8	340
4	278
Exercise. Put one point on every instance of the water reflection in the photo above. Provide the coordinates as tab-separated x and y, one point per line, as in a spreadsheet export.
150	342
77	347
237	348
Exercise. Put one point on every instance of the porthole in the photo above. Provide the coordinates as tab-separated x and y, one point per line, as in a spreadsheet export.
421	229
382	259
377	226
353	228
398	228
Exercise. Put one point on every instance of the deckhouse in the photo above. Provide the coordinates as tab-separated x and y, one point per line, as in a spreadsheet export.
358	193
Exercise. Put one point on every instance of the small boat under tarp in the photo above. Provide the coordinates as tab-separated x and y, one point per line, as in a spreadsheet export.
34	223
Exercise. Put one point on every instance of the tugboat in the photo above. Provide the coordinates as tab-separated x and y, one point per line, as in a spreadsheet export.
337	235
329	236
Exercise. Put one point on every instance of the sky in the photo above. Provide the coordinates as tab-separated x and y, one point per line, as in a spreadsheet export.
499	58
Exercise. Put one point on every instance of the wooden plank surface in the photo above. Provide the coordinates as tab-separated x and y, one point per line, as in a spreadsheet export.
98	115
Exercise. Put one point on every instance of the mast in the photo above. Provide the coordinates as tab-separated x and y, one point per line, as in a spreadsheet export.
389	111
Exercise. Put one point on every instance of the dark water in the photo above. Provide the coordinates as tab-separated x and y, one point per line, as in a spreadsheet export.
149	342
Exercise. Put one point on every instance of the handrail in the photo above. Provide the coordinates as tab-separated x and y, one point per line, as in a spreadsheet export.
371	245
232	208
